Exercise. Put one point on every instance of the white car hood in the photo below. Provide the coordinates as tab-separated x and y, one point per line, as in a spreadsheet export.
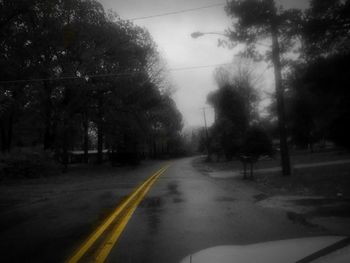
283	251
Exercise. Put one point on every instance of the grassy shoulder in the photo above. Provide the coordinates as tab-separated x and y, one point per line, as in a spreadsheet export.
314	196
328	181
21	192
328	174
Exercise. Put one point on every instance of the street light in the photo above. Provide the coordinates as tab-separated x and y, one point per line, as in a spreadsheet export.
198	34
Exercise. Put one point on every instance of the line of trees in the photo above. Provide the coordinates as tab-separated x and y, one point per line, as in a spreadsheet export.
76	77
318	91
237	131
310	53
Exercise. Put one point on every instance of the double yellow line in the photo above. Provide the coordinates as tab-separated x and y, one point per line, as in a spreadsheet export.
122	215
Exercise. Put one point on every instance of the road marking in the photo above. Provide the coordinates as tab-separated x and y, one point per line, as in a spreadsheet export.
117	231
134	199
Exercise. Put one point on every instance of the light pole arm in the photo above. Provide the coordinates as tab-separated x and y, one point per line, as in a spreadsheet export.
198	34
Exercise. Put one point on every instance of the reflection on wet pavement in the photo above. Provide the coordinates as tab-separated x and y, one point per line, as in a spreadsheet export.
151	202
325	207
152	206
177	200
186	212
299	219
320	201
225	199
173	188
260	197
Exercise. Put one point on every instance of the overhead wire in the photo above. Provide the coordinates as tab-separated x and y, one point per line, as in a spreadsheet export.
87	77
176	12
90	76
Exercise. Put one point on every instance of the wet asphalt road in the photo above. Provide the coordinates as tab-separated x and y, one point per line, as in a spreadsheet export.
184	212
187	211
45	220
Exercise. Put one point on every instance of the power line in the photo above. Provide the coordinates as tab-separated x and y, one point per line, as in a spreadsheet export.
87	77
176	12
198	67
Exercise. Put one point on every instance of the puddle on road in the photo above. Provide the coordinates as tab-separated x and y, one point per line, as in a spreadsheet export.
152	202
320	201
225	199
260	197
173	188
177	200
325	207
332	211
304	210
299	219
152	206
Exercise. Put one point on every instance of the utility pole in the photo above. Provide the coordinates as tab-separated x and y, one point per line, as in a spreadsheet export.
206	133
285	160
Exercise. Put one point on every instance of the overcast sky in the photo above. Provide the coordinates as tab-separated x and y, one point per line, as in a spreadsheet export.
172	35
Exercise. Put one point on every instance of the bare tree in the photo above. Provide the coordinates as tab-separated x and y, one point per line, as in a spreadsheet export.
242	76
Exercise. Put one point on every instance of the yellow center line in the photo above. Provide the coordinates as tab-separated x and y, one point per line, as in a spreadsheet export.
107	246
102	228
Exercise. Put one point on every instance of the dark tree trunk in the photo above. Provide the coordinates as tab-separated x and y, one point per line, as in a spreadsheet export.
3	136
244	170
48	135
285	162
86	138
99	144
100	132
154	149
65	157
10	132
6	132
251	170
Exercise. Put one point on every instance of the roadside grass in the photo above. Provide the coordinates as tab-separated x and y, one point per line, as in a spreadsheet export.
17	192
21	192
327	181
297	157
330	181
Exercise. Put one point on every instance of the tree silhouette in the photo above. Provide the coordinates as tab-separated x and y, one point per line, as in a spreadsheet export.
72	71
256	21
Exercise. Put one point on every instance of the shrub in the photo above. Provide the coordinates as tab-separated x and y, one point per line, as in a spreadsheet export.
26	165
257	143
